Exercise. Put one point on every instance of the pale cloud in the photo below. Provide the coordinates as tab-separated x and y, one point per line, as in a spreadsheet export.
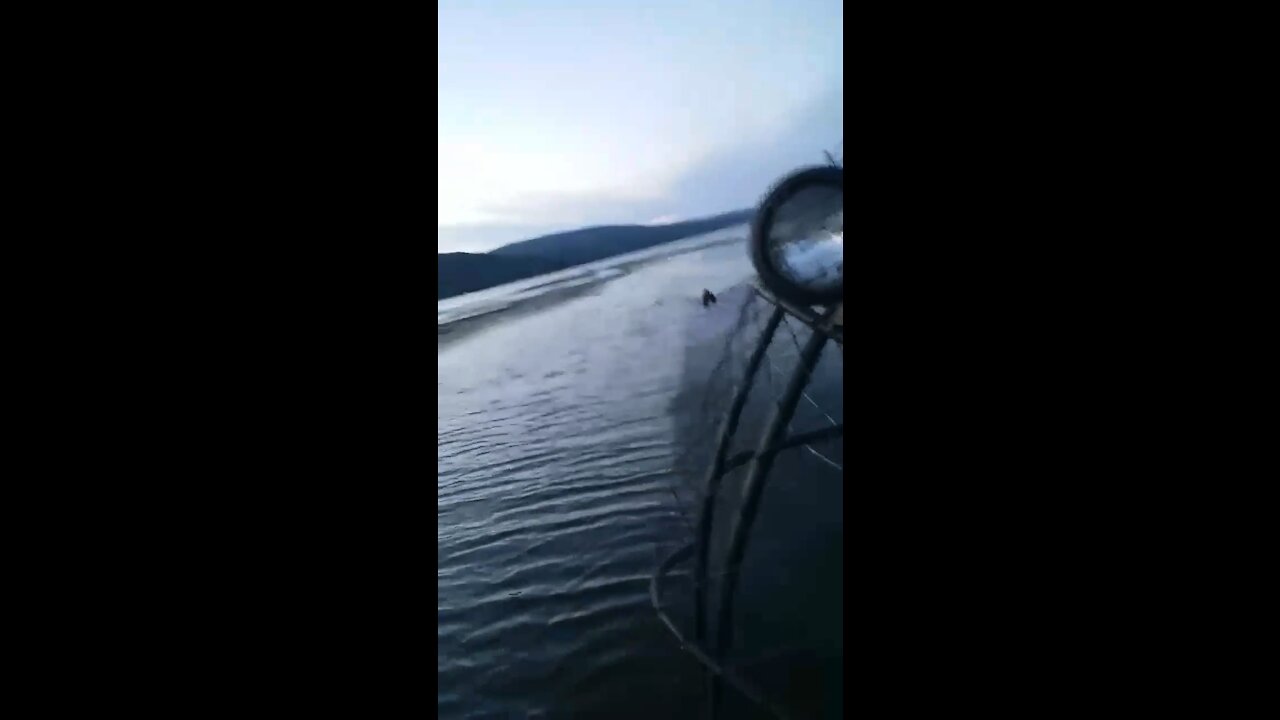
664	220
495	182
560	114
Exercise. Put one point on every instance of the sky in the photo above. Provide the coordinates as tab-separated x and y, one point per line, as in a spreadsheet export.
559	114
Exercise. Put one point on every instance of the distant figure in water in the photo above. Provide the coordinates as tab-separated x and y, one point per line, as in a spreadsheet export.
708	298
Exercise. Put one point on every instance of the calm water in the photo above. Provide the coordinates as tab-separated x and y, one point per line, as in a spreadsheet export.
568	445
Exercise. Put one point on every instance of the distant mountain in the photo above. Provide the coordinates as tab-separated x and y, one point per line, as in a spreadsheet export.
466	272
596	243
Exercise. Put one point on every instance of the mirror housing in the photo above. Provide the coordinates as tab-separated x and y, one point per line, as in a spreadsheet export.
797	237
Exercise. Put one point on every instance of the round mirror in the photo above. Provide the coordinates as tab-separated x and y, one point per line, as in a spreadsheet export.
797	237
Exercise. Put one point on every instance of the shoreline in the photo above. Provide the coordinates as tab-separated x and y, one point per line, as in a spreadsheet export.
451	331
454	330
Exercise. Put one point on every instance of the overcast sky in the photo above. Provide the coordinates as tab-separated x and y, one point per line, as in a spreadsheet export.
555	114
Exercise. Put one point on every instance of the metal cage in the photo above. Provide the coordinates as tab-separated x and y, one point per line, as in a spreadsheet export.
827	326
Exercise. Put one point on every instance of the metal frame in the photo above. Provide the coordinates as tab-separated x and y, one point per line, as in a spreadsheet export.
827	326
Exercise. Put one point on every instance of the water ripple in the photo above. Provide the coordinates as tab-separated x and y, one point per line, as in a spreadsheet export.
556	444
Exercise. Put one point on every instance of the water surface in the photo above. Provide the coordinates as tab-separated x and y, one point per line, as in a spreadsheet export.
569	441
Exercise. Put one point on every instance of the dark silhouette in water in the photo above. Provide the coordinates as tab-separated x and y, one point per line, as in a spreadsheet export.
708	298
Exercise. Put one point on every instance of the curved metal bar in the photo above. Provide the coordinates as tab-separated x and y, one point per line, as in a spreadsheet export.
829	323
711	484
716	669
826	433
752	491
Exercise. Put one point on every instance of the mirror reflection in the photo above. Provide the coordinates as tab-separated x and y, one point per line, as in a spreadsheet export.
806	238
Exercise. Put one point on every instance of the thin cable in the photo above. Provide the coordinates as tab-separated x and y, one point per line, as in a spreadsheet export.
824	458
804	394
796	341
790	427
